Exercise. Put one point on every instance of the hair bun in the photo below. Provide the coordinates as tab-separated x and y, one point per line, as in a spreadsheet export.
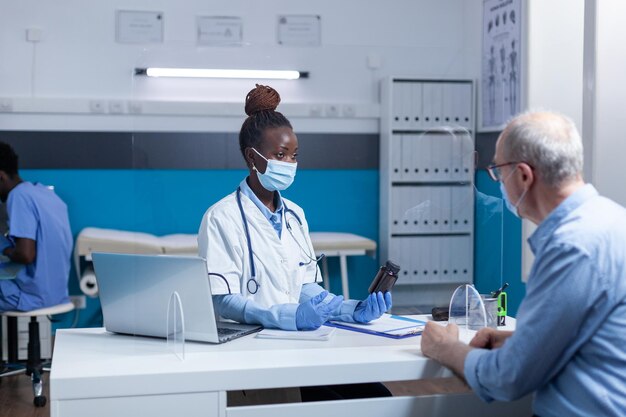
260	98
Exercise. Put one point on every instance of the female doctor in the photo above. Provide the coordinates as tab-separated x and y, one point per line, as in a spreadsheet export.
256	243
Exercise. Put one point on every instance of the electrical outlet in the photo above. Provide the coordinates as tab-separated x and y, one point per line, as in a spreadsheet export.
332	110
96	106
134	107
6	105
348	110
315	111
116	107
34	35
374	61
79	301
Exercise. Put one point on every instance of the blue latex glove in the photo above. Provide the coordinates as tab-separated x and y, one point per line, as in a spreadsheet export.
313	313
372	307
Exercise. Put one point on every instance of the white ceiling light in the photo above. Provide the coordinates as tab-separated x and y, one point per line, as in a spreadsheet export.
221	73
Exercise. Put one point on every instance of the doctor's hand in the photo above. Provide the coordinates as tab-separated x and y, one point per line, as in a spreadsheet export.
313	313
372	307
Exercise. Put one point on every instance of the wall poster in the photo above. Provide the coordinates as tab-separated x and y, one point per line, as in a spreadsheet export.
501	52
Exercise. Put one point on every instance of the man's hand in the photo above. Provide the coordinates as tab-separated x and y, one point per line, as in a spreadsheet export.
435	337
442	344
488	338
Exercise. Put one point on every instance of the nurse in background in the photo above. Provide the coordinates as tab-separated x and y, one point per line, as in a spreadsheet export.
39	238
256	243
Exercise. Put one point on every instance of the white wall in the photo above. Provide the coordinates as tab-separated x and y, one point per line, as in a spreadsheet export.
555	56
554	70
605	97
79	60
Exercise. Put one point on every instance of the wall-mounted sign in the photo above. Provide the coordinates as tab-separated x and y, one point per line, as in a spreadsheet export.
139	26
219	30
299	30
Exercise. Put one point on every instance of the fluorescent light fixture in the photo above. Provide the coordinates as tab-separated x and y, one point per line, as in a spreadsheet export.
221	73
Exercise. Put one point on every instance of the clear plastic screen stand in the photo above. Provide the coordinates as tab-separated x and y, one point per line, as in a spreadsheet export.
176	326
467	309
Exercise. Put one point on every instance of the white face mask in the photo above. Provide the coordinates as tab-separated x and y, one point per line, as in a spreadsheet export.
278	175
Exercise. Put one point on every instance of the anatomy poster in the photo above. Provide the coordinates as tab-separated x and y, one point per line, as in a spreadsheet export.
500	91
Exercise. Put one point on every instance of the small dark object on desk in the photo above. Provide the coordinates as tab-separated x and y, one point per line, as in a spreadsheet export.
440	313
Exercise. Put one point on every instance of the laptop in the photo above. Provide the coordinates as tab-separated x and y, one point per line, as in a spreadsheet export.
135	292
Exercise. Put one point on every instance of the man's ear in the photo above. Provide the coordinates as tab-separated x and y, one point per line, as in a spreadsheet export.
528	175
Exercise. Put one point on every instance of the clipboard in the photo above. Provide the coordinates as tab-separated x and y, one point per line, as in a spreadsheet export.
388	325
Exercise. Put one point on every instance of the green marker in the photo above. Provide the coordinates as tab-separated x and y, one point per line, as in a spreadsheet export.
501	308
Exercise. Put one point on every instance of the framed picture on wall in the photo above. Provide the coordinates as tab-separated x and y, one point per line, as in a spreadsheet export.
500	87
138	26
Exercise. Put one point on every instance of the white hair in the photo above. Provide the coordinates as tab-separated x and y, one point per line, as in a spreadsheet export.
547	141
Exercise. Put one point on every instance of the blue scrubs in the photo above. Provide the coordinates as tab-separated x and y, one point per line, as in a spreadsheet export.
35	212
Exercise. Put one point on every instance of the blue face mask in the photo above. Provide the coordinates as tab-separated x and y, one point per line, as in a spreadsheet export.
278	175
509	205
513	208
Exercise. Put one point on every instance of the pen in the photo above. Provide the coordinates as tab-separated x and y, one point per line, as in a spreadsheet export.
416	330
495	294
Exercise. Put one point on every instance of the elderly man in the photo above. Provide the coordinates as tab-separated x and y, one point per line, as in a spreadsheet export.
569	345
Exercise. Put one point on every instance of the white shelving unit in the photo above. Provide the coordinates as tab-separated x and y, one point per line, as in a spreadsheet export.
426	185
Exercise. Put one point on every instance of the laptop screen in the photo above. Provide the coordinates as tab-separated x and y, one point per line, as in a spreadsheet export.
135	291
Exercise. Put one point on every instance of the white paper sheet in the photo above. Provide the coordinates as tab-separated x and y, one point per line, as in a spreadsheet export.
323	333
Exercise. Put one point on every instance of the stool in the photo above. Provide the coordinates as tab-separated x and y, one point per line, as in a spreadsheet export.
34	367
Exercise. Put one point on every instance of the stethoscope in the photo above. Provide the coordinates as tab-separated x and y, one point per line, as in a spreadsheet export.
253	285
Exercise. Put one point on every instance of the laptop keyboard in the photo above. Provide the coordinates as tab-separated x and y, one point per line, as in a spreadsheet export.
225	332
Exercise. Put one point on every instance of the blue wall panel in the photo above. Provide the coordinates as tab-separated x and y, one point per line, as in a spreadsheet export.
497	244
173	201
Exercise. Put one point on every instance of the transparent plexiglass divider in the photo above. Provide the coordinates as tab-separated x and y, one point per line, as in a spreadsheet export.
176	326
432	212
467	309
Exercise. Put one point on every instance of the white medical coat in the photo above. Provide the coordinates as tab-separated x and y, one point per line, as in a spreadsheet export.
222	242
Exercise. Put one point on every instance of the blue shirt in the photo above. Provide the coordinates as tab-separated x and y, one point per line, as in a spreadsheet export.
37	213
276	218
570	340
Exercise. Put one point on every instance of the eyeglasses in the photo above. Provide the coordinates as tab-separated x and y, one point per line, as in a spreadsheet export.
494	170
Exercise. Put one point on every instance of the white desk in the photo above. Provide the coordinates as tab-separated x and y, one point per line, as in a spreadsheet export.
341	245
96	373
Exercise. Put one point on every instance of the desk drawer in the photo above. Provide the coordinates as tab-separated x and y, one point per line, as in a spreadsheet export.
201	404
